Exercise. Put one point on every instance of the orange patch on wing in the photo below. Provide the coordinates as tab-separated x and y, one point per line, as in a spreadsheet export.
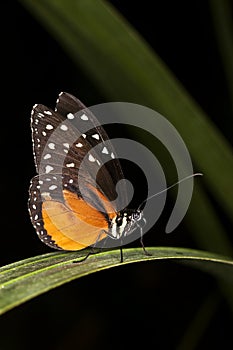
75	225
109	209
88	213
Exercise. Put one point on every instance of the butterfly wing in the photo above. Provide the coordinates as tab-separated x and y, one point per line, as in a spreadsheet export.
65	215
66	106
62	219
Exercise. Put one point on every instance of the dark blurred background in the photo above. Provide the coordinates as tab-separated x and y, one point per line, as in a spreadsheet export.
147	304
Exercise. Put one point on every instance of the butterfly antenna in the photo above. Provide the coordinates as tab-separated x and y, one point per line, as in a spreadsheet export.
168	188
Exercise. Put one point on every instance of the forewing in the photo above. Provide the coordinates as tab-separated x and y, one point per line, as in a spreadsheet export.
69	207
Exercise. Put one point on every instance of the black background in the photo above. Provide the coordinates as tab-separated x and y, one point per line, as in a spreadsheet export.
148	304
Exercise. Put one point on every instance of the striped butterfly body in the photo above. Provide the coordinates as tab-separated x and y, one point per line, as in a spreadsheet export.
70	207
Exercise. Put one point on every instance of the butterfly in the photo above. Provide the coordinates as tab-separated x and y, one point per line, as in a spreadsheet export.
70	207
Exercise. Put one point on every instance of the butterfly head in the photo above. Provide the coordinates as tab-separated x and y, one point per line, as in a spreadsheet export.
125	222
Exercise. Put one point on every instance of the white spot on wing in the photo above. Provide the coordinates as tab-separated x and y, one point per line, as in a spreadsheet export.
64	127
70	116
47	112
96	136
49	127
79	145
47	156
104	150
66	145
84	117
48	168
52	187
70	165
91	158
51	145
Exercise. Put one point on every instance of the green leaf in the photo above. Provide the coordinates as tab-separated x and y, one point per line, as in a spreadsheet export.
124	68
23	280
222	21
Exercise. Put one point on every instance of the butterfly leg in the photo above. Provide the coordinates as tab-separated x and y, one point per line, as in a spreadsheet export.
121	255
112	237
93	251
142	244
121	249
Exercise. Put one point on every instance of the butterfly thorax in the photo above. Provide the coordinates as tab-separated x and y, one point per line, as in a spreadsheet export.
124	222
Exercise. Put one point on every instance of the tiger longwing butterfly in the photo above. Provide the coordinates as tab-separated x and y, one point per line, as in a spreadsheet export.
70	208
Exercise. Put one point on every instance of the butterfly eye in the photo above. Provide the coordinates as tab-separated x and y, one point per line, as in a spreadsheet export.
137	215
119	221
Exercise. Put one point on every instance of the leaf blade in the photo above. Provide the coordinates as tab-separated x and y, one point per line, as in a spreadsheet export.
21	281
